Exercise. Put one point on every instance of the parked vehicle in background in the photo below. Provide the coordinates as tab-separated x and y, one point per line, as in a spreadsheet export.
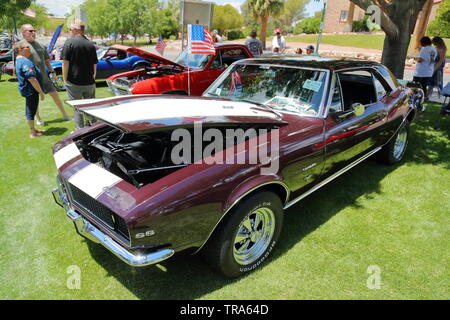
112	60
171	77
123	188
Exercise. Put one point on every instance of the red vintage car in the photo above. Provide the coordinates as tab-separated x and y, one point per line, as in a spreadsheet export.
159	174
171	77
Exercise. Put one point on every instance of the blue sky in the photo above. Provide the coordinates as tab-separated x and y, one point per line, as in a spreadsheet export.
61	7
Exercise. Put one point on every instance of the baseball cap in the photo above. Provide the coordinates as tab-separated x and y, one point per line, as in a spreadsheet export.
277	30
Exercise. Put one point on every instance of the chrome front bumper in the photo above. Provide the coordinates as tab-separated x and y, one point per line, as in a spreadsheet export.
89	231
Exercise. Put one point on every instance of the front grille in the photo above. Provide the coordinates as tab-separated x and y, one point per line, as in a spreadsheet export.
99	212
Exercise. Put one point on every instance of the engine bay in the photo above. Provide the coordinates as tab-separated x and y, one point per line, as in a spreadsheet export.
142	158
149	73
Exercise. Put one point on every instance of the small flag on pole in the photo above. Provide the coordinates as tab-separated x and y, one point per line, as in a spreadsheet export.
160	46
200	40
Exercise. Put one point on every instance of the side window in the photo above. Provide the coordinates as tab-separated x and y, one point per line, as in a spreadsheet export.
381	86
336	99
217	63
357	87
231	55
121	55
111	53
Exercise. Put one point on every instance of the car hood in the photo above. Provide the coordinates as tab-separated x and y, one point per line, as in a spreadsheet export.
148	56
148	113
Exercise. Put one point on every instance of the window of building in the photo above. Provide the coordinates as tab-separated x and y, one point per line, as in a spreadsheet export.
344	16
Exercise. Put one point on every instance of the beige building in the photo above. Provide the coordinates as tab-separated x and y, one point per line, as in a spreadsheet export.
340	15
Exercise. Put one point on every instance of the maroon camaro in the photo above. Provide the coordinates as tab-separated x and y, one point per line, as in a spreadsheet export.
158	174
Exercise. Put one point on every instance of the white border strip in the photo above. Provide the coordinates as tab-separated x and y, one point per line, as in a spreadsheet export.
94	180
66	154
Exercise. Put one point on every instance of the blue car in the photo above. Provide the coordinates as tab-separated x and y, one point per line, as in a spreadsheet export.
112	60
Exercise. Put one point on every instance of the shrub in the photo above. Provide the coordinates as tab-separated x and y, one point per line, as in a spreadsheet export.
235	34
310	25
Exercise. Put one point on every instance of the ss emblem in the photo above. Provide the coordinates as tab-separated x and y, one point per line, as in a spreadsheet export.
148	233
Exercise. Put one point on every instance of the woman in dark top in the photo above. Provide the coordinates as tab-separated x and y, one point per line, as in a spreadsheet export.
30	84
437	81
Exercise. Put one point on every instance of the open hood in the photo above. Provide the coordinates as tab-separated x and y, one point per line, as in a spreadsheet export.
148	56
147	113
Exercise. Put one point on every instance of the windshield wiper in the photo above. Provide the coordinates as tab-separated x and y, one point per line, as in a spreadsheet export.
259	104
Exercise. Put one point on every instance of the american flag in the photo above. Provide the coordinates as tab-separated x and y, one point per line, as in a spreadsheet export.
200	40
160	46
235	83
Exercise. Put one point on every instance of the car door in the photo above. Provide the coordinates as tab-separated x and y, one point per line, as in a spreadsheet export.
352	134
114	61
202	79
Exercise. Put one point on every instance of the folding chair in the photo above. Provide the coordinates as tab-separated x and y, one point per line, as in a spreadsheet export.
445	109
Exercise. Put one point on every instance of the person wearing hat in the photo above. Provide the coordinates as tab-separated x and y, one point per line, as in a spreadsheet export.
216	37
253	44
278	42
310	49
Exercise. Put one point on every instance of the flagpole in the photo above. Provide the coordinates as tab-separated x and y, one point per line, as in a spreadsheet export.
187	58
319	38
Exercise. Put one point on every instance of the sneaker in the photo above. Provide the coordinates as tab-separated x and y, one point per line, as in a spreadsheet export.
40	122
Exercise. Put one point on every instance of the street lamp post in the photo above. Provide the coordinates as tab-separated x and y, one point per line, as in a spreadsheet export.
319	38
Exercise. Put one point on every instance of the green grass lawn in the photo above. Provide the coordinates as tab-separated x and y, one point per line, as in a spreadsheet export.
395	218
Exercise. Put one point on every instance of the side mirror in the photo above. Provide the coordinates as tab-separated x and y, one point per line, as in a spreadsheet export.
358	109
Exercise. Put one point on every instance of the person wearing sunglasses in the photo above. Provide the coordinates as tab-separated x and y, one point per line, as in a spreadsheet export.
30	84
39	56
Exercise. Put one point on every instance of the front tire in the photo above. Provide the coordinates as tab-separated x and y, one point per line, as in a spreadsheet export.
246	237
394	151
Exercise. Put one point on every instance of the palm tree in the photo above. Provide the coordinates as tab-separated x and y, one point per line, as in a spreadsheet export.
262	10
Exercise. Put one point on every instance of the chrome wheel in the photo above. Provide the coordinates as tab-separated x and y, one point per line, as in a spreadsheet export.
254	235
400	143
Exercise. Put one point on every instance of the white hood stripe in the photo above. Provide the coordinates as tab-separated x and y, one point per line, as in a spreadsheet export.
94	180
66	154
175	108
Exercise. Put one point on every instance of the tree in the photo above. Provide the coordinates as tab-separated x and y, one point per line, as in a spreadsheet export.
293	11
440	27
167	25
262	11
226	17
38	21
310	25
11	9
398	19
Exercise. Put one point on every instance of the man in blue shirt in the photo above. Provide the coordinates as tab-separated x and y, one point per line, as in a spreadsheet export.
30	84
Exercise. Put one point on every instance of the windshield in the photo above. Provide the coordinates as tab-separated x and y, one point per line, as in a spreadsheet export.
101	52
281	88
195	60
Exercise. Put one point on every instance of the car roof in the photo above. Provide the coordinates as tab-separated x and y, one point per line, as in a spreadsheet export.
315	62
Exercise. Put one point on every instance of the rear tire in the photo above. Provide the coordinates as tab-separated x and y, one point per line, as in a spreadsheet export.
246	237
394	151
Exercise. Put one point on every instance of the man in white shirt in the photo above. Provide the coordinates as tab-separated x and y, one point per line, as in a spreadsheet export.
278	42
425	64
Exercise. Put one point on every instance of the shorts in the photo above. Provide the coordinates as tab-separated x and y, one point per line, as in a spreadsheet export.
48	86
31	106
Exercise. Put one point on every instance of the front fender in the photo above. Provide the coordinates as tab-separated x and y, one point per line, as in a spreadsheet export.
247	187
251	185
